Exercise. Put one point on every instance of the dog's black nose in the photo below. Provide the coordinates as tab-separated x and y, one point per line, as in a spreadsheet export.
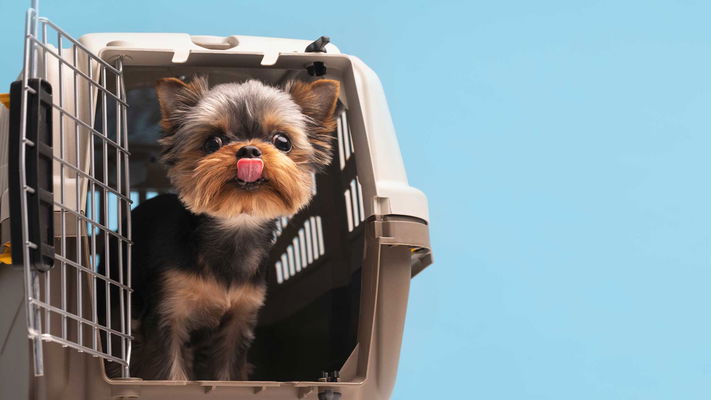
249	152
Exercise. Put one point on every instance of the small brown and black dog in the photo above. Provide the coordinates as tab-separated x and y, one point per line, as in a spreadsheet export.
239	155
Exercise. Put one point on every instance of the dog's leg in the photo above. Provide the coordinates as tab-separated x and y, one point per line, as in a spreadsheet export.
171	360
176	340
231	343
173	336
177	313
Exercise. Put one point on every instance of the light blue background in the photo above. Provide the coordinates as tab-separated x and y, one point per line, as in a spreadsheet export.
565	152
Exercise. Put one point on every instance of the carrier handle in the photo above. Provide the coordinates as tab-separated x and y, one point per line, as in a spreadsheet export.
38	216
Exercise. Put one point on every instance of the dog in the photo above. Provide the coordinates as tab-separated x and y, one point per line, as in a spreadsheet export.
239	155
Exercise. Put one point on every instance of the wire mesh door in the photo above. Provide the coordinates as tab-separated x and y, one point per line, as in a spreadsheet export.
71	195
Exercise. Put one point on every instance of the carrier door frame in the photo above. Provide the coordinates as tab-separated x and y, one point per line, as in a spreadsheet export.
77	197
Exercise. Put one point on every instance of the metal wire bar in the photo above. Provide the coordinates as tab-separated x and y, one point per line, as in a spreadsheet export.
31	288
105	207
63	222
79	230
92	196
127	187
126	319
46	277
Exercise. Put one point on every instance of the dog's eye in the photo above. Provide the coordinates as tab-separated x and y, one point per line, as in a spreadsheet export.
212	145
282	142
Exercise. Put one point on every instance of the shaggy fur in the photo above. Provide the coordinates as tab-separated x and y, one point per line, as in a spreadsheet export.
198	256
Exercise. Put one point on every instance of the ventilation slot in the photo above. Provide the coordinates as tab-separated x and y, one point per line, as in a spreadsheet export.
354	204
280	225
345	142
306	248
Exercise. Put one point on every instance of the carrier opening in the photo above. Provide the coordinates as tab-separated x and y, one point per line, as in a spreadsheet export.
309	322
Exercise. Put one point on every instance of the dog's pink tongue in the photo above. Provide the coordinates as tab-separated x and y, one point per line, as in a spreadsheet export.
249	169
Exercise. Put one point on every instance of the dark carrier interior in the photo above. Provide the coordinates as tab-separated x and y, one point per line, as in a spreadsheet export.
309	322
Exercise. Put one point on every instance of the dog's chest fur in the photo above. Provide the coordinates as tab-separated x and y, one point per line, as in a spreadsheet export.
199	285
219	276
200	301
193	269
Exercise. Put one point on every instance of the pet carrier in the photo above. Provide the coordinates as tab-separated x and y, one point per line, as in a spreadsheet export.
79	150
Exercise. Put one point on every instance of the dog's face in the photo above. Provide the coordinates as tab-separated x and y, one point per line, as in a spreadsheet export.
246	148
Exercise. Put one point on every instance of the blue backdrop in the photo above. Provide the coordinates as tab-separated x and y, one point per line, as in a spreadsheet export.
565	152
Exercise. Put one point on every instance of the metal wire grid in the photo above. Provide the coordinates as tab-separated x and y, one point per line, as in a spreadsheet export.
91	199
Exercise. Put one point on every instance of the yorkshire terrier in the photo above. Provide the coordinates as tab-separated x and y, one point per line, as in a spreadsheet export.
239	155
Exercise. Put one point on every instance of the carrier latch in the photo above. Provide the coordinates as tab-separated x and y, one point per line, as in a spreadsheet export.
317	68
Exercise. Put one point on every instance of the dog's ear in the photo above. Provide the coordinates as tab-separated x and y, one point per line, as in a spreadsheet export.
175	96
318	100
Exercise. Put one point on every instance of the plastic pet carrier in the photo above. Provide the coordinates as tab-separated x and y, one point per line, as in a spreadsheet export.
79	150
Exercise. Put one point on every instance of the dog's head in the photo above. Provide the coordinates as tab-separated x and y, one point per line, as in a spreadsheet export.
246	148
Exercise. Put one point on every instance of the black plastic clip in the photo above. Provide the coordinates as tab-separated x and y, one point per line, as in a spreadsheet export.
318	45
317	68
39	178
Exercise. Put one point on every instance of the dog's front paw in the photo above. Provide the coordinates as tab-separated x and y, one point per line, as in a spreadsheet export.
178	375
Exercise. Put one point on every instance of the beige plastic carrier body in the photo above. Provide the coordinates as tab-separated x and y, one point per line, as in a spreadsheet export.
338	288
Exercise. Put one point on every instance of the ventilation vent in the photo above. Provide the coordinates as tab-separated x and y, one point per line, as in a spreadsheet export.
345	142
354	204
281	224
304	249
